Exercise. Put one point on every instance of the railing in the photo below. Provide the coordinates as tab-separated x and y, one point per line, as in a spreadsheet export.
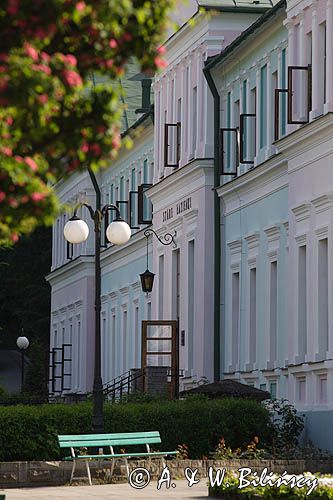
123	384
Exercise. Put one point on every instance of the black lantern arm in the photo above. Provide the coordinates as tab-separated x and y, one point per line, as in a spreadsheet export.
166	239
111	207
79	205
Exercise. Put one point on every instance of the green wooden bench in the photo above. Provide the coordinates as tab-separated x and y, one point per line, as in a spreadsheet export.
111	441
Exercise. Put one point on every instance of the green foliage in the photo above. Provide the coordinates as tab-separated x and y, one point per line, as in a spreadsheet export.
29	432
52	119
287	426
251	451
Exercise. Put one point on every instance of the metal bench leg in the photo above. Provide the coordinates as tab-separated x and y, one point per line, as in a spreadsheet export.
72	473
127	468
112	468
88	473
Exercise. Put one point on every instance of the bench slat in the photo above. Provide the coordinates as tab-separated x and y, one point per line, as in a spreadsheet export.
123	455
121	439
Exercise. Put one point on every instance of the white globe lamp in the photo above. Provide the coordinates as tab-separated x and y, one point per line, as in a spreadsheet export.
118	232
22	343
76	230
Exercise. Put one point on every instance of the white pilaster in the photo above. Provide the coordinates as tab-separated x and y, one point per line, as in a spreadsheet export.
329	57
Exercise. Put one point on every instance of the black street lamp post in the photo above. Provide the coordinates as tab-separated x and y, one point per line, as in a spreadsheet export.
23	344
118	232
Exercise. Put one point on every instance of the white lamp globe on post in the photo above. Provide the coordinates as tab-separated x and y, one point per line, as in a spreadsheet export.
118	232
23	344
76	230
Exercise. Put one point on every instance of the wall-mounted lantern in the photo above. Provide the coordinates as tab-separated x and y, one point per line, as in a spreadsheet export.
147	278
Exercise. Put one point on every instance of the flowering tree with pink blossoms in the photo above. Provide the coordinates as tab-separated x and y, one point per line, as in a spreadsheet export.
52	119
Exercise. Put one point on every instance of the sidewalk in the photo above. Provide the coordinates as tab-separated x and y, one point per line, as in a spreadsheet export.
110	492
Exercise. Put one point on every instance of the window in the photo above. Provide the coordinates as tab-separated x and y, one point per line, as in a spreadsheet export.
124	340
262	387
273	389
323	295
145	172
300	389
160	286
302	306
175	283
113	343
235	317
273	311
190	309
322	389
263	106
136	338
78	354
194	120
253	314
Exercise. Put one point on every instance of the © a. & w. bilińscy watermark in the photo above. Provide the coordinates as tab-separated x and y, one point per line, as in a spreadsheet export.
140	477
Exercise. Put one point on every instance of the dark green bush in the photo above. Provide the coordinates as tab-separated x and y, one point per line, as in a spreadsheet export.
30	432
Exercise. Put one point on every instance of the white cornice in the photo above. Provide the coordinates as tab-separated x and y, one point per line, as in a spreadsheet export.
303	139
168	187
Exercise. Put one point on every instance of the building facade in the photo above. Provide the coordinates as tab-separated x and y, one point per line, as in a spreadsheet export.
270	146
276	327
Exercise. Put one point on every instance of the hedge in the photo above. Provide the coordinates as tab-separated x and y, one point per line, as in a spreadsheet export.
30	432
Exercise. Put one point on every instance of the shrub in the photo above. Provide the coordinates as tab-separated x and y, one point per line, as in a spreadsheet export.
30	432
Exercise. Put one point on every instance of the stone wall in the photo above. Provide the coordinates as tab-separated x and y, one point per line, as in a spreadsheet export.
22	474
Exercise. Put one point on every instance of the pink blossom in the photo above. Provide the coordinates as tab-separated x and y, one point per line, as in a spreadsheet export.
109	63
19	159
127	37
160	63
14	237
80	6
2	196
113	43
161	50
30	51
40	33
31	163
42	67
13	7
24	199
84	148
3	69
6	151
95	148
9	120
37	196
12	202
4	83
116	142
71	59
45	56
43	98
72	78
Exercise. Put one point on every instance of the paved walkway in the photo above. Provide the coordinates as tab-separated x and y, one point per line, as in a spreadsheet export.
110	492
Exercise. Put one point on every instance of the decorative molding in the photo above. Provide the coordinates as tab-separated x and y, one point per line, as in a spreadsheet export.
253	240
136	287
124	290
273	241
104	298
302	212
113	295
235	246
321	232
301	239
252	262
322	203
272	255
